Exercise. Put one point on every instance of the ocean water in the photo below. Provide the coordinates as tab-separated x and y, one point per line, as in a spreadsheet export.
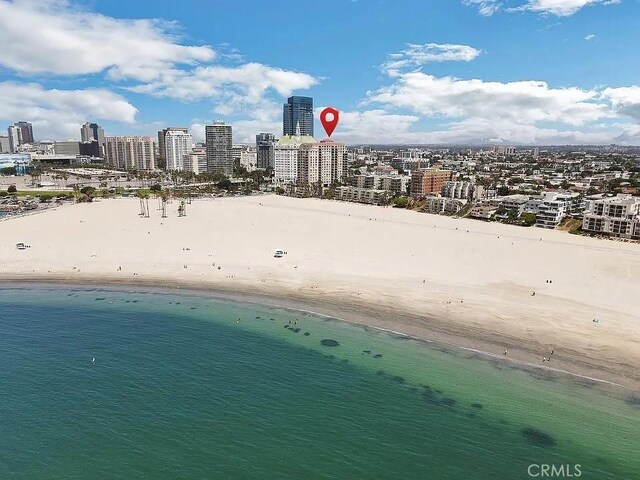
189	387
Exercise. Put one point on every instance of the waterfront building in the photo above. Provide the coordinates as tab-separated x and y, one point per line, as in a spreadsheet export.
177	144
285	154
161	157
429	181
219	141
332	161
131	152
362	195
457	190
617	216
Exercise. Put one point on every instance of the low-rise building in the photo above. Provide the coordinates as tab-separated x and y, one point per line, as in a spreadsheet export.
362	195
483	212
457	190
555	205
196	161
550	213
392	183
443	205
618	216
515	203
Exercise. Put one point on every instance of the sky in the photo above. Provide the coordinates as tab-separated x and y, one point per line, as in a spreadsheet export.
467	72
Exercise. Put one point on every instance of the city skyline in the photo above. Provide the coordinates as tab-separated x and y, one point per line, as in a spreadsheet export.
477	72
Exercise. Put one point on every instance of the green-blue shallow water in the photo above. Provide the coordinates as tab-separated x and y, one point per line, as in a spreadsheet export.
189	387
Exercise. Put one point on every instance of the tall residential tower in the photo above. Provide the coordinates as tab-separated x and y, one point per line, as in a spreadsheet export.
177	144
218	138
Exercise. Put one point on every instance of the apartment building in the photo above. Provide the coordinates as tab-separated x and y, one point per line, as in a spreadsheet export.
427	181
391	183
457	190
131	153
618	216
362	195
196	161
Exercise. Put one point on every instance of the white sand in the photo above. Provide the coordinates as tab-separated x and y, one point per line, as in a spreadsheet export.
460	281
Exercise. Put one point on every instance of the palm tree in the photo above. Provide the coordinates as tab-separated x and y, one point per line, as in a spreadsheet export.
163	197
144	203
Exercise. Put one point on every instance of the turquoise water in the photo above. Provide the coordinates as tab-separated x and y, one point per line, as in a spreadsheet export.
188	387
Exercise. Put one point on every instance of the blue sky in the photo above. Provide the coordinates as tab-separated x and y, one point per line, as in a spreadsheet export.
400	71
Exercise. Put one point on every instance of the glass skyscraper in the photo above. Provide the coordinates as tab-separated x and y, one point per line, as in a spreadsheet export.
297	116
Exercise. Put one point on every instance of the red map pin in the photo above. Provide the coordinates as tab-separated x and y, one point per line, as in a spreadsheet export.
329	118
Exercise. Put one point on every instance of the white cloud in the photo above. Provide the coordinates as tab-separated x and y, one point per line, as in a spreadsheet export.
59	113
485	7
382	127
591	36
561	8
371	126
244	84
417	55
52	36
451	110
624	100
60	38
525	102
630	135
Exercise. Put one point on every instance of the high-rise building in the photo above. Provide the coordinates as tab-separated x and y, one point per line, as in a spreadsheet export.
177	144
131	153
321	164
333	161
161	146
297	116
27	131
92	132
309	166
286	152
4	145
15	138
219	140
264	150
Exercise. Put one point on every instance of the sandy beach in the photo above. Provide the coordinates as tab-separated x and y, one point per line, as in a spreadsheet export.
454	281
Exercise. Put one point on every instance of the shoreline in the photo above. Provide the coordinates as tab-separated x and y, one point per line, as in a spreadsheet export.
341	313
482	287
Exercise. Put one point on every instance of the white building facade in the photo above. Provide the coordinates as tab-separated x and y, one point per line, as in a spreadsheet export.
177	144
195	161
618	216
